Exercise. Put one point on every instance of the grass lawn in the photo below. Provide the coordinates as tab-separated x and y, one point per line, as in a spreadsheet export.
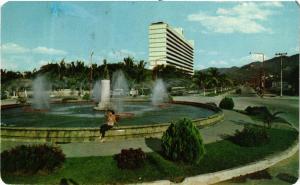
103	170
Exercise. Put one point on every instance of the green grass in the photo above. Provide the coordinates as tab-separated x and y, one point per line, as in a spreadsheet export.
102	170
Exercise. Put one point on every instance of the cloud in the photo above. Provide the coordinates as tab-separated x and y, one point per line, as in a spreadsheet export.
48	51
247	59
13	48
294	50
220	63
247	17
202	51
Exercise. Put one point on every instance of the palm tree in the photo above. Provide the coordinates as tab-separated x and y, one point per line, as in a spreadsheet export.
141	71
224	81
201	79
214	78
268	118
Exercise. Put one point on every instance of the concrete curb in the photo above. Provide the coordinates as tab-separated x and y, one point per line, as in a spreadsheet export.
219	176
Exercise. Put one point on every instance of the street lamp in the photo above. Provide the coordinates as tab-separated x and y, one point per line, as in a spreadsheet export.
281	55
91	73
262	79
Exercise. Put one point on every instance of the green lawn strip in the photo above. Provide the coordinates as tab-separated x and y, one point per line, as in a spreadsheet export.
103	169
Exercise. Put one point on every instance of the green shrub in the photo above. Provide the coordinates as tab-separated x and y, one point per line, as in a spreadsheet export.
226	103
86	96
250	136
130	158
182	141
31	159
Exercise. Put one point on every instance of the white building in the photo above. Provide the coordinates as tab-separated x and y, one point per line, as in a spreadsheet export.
167	46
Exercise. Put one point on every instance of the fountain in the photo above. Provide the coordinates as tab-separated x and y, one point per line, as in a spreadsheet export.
40	101
105	102
159	93
120	89
96	92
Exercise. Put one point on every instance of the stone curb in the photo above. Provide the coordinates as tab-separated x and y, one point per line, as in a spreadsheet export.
219	176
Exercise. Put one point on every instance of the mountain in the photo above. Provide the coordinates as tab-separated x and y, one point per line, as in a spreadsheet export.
271	68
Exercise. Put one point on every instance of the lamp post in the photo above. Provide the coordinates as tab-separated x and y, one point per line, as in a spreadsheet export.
91	73
262	79
281	55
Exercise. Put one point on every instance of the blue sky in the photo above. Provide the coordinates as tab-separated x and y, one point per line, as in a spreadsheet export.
35	33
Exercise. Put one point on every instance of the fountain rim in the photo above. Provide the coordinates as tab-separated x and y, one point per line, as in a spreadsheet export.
89	134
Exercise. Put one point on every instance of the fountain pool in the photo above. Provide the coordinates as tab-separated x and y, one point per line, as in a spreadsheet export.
83	115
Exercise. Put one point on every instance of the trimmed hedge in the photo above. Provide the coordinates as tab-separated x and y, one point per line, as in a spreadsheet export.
130	158
226	103
30	159
182	141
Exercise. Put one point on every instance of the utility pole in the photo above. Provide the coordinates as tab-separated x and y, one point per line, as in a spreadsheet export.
91	73
262	78
281	55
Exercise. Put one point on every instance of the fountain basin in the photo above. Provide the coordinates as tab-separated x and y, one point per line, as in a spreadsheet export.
86	134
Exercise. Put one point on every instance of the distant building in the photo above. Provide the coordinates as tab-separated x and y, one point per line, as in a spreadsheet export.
167	46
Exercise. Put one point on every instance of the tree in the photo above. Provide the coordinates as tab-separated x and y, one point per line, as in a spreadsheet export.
141	71
201	79
269	118
105	72
214	78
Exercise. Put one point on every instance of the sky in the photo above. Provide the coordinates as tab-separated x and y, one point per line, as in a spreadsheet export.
35	33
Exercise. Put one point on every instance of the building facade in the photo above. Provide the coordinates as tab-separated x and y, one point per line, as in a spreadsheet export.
167	46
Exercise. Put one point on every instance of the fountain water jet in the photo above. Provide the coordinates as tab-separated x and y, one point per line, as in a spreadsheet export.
105	102
120	89
40	95
159	93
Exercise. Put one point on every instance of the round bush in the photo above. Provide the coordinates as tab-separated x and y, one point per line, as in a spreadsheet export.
26	159
226	103
130	158
182	141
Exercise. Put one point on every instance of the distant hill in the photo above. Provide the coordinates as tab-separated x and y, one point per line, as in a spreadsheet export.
271	67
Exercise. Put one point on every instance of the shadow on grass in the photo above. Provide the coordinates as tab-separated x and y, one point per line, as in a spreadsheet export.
287	178
154	144
264	174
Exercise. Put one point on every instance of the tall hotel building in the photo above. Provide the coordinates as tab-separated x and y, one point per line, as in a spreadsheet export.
167	46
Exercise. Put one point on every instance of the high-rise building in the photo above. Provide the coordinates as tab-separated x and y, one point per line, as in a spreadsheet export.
167	46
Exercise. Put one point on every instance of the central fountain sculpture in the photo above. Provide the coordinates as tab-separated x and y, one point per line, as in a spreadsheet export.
105	102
